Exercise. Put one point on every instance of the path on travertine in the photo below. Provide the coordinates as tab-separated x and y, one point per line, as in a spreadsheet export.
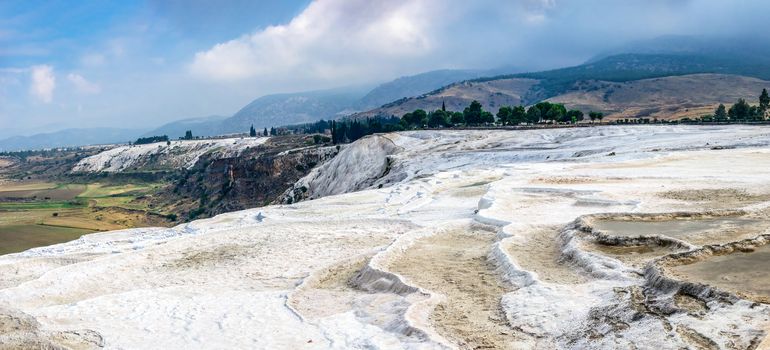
455	264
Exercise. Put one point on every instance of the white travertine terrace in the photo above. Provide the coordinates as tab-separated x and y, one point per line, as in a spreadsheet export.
178	154
338	271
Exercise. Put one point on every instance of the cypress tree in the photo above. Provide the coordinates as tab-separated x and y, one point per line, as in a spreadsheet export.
764	102
334	132
720	113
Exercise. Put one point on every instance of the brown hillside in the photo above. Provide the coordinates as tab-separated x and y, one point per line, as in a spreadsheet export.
492	94
663	98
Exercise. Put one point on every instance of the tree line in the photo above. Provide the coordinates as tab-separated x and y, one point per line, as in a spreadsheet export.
350	130
343	131
475	115
151	139
742	110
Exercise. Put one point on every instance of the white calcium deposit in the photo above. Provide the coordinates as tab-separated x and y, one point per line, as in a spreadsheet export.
328	273
177	154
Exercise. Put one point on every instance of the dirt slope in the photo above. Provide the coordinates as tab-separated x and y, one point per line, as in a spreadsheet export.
663	98
671	97
492	94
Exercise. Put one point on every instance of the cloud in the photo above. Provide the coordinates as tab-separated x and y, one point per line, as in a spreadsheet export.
329	39
357	41
43	83
82	85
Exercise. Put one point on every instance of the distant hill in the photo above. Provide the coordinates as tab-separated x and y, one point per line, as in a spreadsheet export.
69	138
716	71
294	108
419	84
302	107
753	49
658	57
205	126
667	97
628	67
671	97
492	94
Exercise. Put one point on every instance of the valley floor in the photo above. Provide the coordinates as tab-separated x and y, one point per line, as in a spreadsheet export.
439	239
34	213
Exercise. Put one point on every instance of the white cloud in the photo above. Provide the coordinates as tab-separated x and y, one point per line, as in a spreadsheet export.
345	42
82	85
43	83
329	39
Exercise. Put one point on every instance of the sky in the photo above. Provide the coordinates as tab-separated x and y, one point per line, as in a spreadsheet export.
139	64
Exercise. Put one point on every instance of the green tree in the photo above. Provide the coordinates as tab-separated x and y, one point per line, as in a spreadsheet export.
457	118
720	114
438	118
544	107
188	135
534	115
418	118
487	117
555	112
764	102
504	115
596	115
264	132
334	132
518	115
472	113
252	131
574	116
741	110
273	132
755	113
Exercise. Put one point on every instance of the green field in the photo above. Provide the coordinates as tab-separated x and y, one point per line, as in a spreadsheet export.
35	214
97	190
15	206
18	238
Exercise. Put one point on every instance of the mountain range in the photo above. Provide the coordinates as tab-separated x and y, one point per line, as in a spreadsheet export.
741	67
310	106
69	138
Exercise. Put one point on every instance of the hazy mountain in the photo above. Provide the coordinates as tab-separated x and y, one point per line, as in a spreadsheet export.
294	108
423	83
69	138
204	126
753	49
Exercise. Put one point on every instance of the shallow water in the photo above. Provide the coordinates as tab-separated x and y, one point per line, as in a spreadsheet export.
697	231
739	272
635	255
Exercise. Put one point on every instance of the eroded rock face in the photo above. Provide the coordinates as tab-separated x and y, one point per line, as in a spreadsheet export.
475	238
358	166
255	177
